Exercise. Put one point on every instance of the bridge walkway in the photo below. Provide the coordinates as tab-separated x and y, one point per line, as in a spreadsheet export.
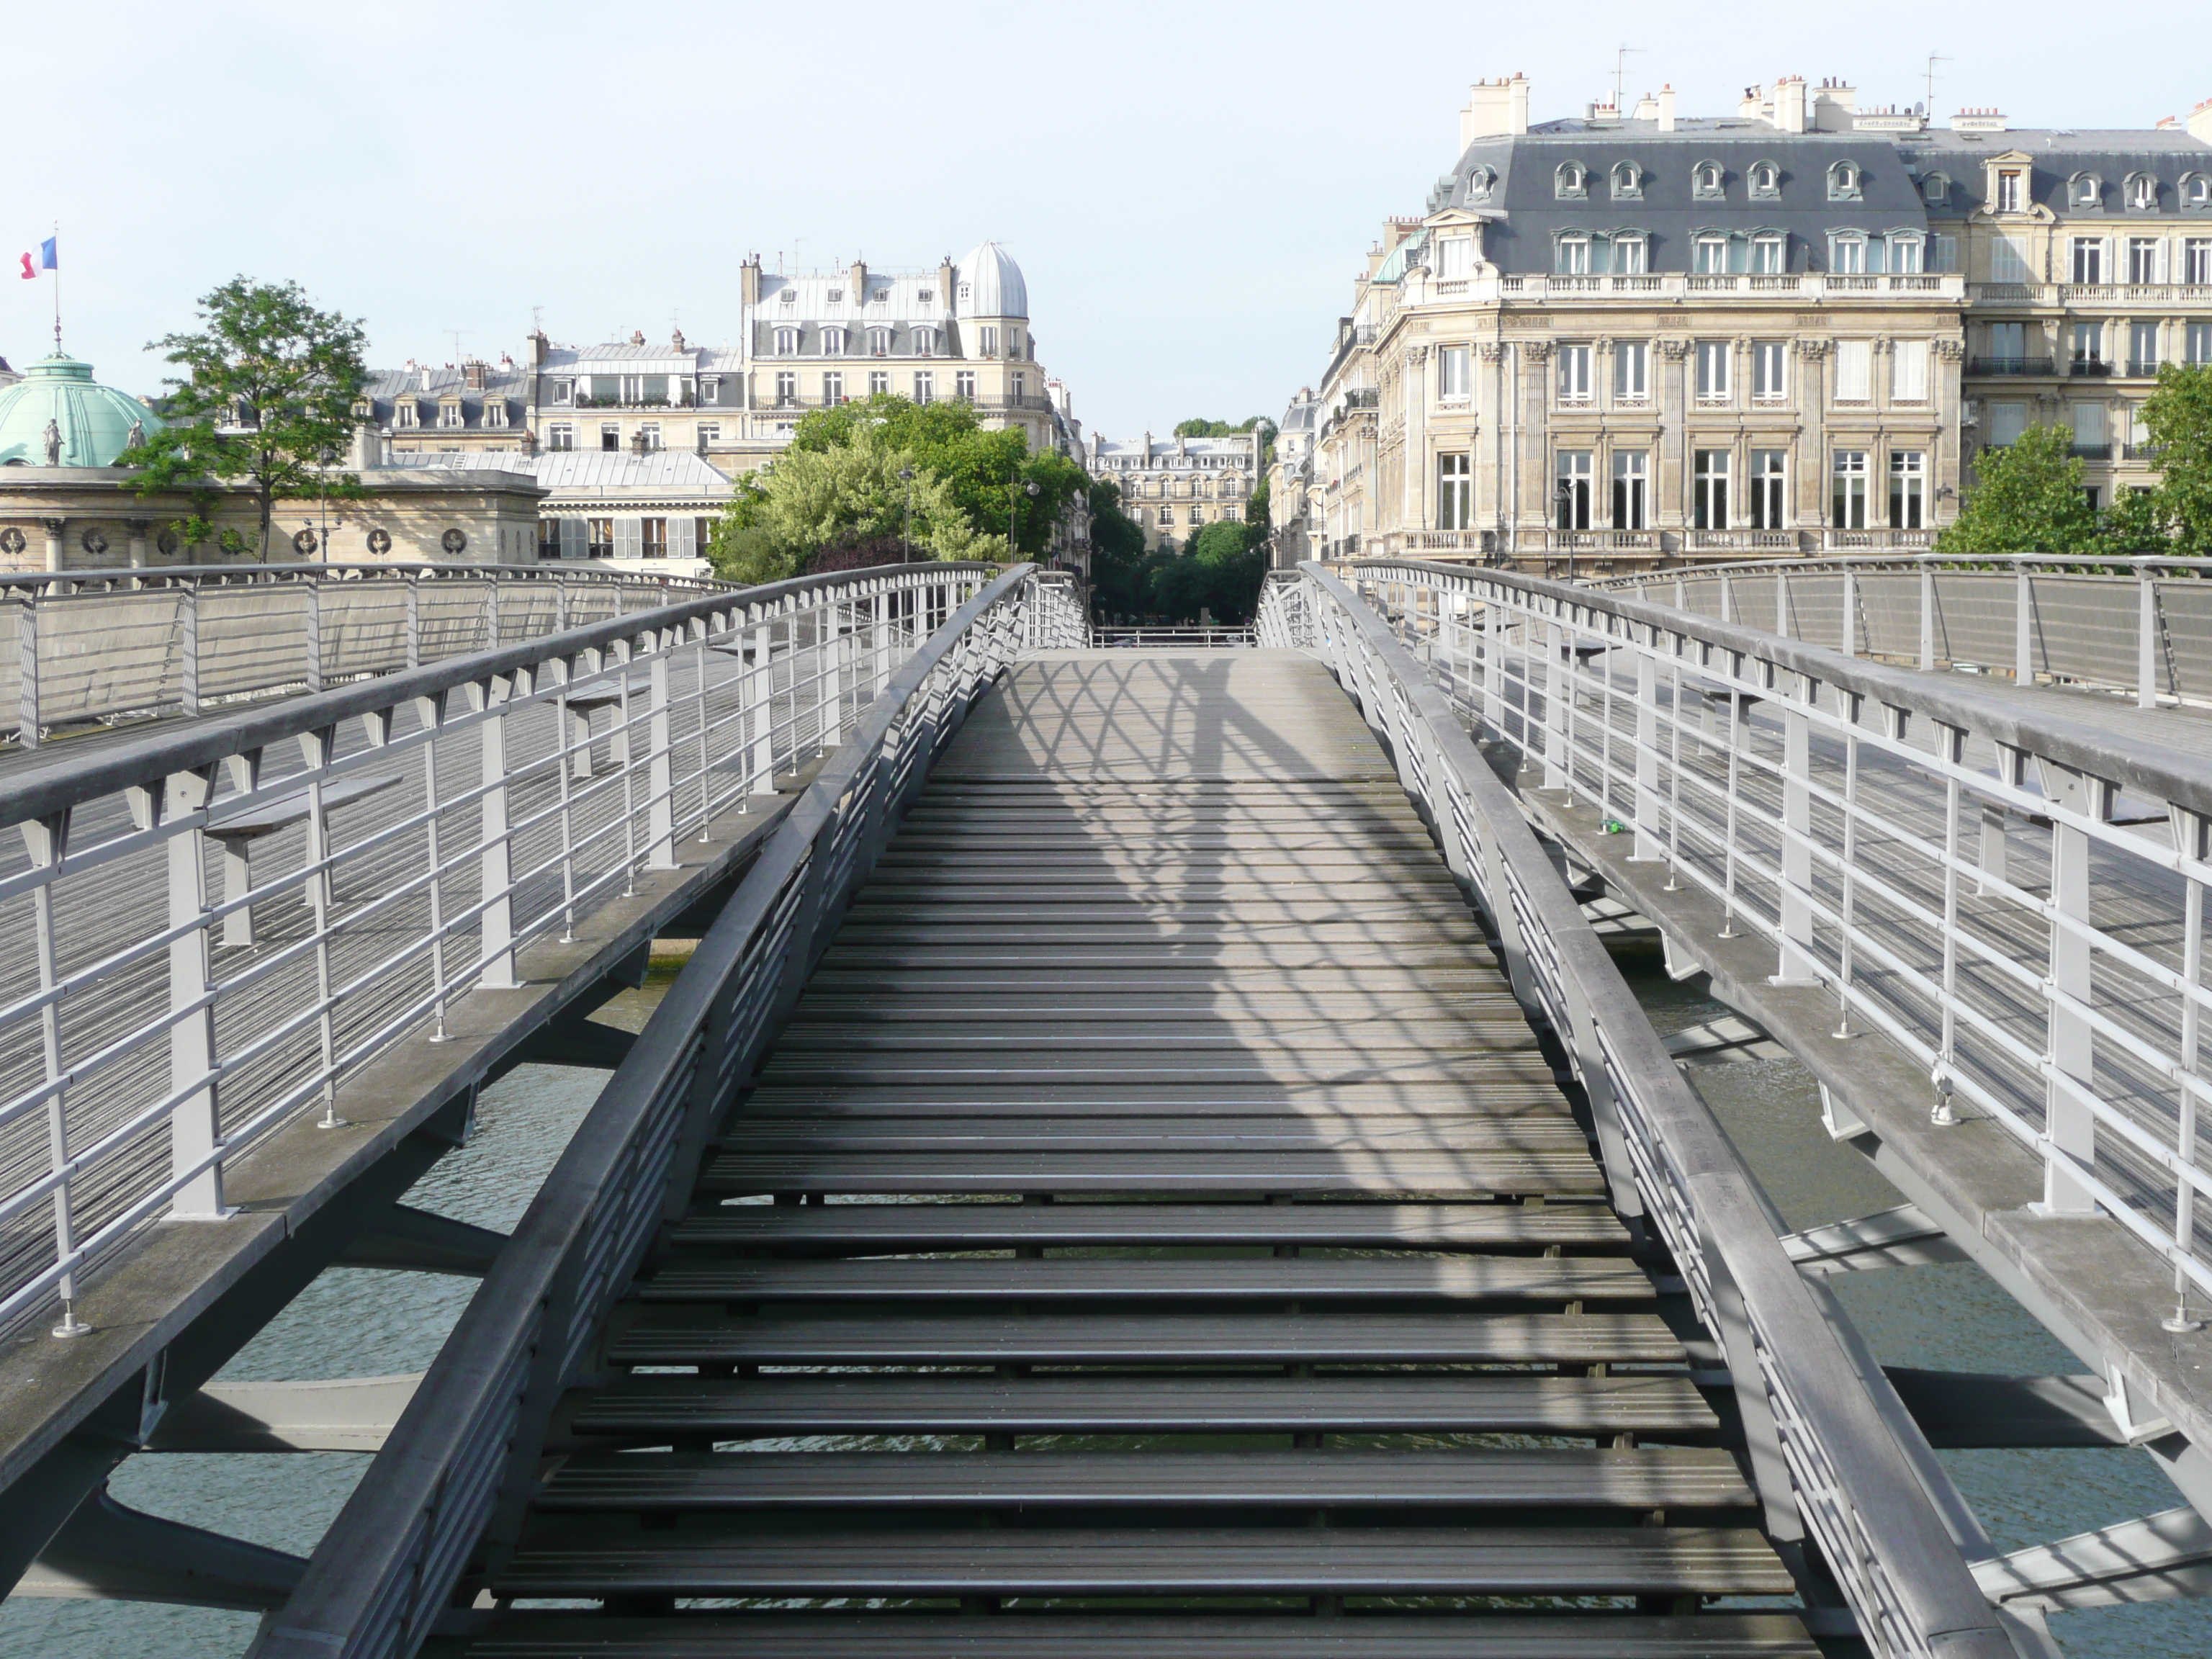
1157	1225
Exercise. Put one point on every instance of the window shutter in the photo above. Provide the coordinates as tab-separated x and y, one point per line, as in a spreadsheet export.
630	538
1909	378
1854	370
682	538
572	539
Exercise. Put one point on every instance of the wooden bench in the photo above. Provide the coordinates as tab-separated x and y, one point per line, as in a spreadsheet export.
239	830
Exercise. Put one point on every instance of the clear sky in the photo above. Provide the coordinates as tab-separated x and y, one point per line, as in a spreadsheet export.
1188	187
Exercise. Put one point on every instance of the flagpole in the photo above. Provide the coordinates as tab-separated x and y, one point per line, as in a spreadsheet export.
57	288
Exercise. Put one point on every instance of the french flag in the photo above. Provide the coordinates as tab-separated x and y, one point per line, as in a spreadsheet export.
45	259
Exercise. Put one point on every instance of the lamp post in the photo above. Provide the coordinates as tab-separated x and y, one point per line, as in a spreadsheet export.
1015	491
1565	491
906	538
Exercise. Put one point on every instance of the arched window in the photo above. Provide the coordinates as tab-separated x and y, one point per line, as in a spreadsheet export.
2195	190
2085	189
833	342
1765	178
2142	192
1935	190
925	342
880	341
1627	181
1843	182
1706	180
1571	181
1481	183
786	342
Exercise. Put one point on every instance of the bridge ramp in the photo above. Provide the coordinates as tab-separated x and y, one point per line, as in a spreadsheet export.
1157	1225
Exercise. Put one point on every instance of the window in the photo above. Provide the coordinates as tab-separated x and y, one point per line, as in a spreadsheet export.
563	391
648	436
1631	371
2088	422
403	414
1765	178
2007	423
833	390
2142	192
1572	256
600	535
1454	257
1167	517
925	386
1854	371
2011	190
1843	182
1480	183
710	389
2008	260
1770	369
880	382
1629	258
1197	517
833	342
1713	356
1571	490
2085	189
786	390
1452	383
1627	182
1908	371
2142	258
561	437
494	414
1631	488
610	438
1943	253
1905	253
1770	498
2197	261
2089	260
787	343
709	432
1908	485
1014	342
987	341
1709	503
1709	256
1571	181
1454	492
1574	375
1935	190
1019	384
2198	344
2088	343
606	389
653	538
2142	348
963	385
1847	491
880	341
1706	180
1769	256
2195	190
1847	253
925	342
450	416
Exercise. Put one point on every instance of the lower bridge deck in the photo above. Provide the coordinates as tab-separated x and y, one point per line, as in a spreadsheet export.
1157	1227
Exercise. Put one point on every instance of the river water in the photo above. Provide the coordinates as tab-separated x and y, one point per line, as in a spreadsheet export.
356	1323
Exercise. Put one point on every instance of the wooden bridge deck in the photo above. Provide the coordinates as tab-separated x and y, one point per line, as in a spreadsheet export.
1157	1226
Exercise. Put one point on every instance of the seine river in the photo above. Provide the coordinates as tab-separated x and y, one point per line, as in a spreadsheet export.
356	1323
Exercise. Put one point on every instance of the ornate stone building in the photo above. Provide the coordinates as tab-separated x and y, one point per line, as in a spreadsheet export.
1637	337
1174	487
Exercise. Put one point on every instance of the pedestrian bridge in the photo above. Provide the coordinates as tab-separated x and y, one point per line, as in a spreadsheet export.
1148	1153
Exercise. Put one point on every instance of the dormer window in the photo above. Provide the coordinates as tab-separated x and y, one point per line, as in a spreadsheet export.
2011	190
1481	183
710	389
2143	193
563	391
1847	252
402	414
833	342
1572	258
1572	182
2085	189
925	342
495	414
836	296
880	341
1705	182
1935	190
2195	190
1843	182
925	296
1627	182
450	417
787	343
1765	180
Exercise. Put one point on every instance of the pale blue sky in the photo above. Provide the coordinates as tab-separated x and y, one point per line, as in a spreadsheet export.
1188	187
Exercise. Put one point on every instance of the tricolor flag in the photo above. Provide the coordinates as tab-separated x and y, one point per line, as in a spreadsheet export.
45	259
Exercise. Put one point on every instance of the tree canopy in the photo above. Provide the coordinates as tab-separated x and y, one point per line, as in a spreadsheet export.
1201	427
1217	572
2177	418
2028	498
267	398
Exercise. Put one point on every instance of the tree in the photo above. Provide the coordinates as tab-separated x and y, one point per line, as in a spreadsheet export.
1117	554
2177	418
816	502
267	399
1205	428
2028	499
2135	523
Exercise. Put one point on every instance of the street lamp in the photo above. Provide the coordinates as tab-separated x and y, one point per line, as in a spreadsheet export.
905	539
1565	491
1015	491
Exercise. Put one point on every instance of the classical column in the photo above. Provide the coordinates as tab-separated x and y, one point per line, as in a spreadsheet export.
1490	475
138	527
1536	495
1811	429
55	528
1668	496
1414	398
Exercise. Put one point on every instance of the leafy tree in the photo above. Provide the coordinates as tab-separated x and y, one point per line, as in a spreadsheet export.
2028	499
816	502
1205	428
2135	523
1117	554
2178	418
267	399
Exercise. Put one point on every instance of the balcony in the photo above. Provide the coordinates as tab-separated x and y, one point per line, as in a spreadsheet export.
1362	397
2011	365
2089	368
2187	296
1795	288
2093	452
2142	368
2141	451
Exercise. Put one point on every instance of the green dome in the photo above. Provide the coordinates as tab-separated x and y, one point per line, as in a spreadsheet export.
95	420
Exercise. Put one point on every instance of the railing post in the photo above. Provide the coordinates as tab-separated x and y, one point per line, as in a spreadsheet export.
314	634
26	670
1782	604
497	924
1927	613
1650	847
415	619
2147	633
829	630
2069	1125
660	772
1798	966
2023	627
1558	774
1851	630
762	683
195	1125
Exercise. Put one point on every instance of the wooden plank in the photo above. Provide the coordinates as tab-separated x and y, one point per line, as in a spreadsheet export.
1375	1172
1068	1133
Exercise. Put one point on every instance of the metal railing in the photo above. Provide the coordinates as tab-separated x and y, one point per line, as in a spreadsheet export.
451	1483
381	850
1172	638
2013	892
89	645
1824	1462
2142	625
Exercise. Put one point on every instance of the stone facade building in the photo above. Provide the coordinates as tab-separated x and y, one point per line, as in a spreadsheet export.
1174	487
1641	337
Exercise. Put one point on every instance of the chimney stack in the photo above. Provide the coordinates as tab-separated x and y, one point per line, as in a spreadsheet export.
1666	108
2200	123
859	281
749	276
1495	109
1790	104
473	374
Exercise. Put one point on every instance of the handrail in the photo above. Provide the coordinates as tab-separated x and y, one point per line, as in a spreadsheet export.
1823	1459
463	1457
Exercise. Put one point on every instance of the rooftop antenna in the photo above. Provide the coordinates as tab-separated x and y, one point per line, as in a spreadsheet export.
1932	61
1620	76
456	333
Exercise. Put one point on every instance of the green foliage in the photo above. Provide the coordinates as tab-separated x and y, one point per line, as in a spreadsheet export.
2178	417
2135	523
267	398
2028	499
1205	428
1256	505
829	496
1219	571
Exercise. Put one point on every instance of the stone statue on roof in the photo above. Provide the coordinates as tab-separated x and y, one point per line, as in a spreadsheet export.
138	435
53	440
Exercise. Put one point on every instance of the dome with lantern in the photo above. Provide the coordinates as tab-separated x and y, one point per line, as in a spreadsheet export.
988	283
95	421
